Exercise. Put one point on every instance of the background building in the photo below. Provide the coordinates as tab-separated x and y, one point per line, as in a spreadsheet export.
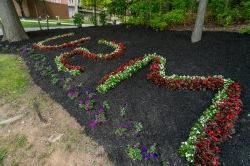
73	6
35	8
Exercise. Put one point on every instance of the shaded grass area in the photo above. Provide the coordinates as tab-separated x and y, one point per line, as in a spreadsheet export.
13	77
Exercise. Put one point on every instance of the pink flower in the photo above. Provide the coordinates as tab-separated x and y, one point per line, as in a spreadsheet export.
93	124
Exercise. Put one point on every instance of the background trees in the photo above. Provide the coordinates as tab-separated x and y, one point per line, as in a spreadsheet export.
94	4
160	14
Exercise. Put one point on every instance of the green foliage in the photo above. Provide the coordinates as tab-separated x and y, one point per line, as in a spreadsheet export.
13	77
103	19
228	12
118	7
162	21
245	8
99	3
101	117
246	30
54	79
138	127
78	19
228	17
152	148
106	105
122	111
66	84
160	14
134	153
120	131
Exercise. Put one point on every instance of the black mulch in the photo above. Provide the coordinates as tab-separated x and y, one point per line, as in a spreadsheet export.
167	115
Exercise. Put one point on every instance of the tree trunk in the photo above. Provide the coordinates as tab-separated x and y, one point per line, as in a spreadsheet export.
13	30
21	8
46	14
95	18
4	36
37	15
197	33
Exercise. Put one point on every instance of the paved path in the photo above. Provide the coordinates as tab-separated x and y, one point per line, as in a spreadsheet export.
44	28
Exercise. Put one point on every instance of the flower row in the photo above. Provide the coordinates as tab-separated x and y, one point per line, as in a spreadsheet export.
213	127
220	127
63	63
41	45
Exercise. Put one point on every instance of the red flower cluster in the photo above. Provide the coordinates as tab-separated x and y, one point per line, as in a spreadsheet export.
113	55
66	56
220	128
192	83
120	51
120	68
57	47
65	60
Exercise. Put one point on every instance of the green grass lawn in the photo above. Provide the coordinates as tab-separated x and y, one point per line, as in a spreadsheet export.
52	23
13	77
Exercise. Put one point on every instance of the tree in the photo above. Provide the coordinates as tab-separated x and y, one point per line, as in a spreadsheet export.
46	14
118	7
12	27
197	33
20	4
95	6
37	15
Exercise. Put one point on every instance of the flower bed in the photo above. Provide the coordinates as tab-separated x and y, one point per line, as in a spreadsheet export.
63	63
213	127
41	45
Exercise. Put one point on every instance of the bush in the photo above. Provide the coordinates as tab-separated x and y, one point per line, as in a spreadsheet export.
228	17
246	30
245	9
163	21
158	23
78	19
102	17
161	14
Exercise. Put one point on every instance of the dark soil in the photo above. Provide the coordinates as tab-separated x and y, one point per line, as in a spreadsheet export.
167	115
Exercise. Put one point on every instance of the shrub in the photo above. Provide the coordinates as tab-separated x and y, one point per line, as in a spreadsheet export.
246	30
228	17
162	21
78	19
245	9
157	22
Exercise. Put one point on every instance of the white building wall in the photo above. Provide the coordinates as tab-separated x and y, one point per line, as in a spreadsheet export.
71	6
